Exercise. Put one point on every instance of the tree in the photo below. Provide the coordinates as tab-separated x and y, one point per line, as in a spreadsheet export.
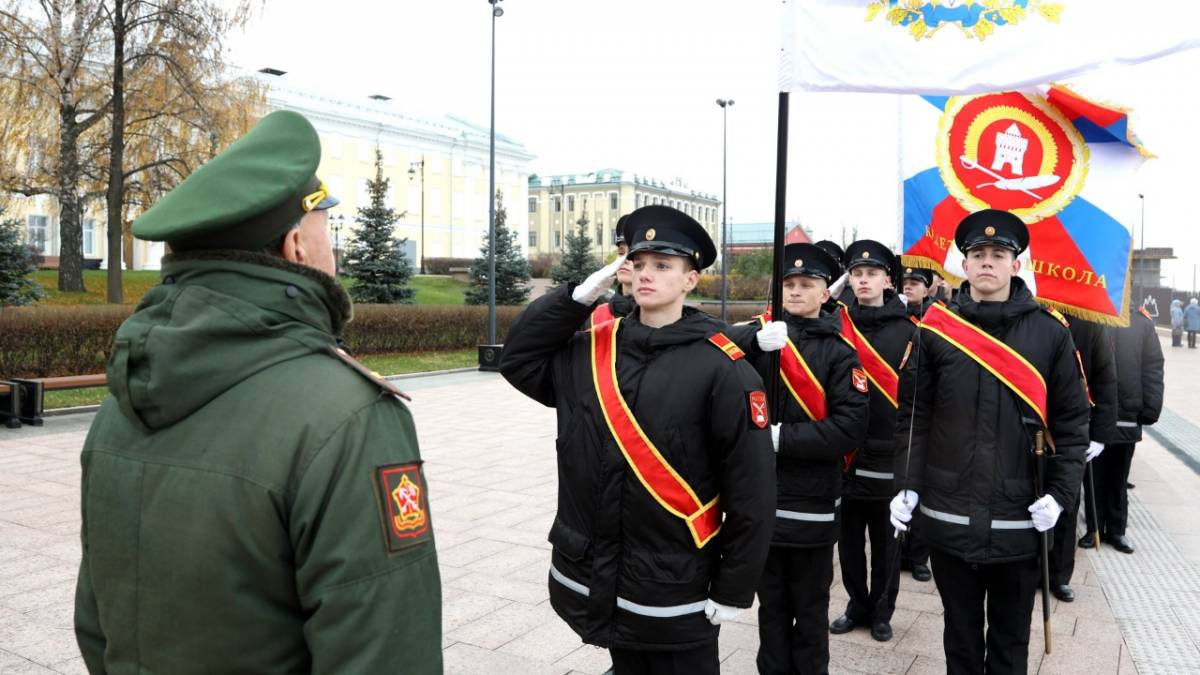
754	264
512	269
376	260
17	262
578	261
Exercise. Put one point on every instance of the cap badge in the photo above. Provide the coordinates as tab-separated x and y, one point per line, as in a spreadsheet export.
989	231
799	263
650	234
866	254
908	271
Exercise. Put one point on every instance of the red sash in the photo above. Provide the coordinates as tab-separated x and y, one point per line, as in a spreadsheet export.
997	358
879	372
661	480
601	314
799	379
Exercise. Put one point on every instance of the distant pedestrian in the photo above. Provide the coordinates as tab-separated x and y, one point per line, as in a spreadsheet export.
1176	323
1191	321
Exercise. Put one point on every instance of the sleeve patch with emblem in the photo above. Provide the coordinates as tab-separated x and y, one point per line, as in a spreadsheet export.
858	378
758	409
404	505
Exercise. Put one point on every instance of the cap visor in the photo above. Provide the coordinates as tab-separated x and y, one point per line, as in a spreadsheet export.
327	203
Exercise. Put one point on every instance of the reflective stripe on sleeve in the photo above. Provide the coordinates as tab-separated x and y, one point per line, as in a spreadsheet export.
800	515
874	474
661	612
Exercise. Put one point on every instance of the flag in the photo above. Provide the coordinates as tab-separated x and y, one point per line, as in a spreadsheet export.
965	46
1061	162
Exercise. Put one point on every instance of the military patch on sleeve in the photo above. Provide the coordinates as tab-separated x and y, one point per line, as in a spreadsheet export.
858	378
758	409
403	504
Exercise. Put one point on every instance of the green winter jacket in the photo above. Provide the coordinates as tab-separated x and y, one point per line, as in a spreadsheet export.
253	500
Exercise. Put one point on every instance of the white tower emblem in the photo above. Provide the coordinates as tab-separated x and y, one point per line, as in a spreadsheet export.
1010	149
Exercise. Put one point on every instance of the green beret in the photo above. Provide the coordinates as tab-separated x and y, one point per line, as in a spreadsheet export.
247	196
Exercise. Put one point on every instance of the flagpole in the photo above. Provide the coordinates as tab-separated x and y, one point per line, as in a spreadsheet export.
781	149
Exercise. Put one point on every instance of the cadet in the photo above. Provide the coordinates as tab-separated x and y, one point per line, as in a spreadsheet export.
253	500
665	500
1139	362
876	323
976	402
1094	345
916	284
824	417
620	303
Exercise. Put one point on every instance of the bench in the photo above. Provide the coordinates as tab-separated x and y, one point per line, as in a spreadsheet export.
22	400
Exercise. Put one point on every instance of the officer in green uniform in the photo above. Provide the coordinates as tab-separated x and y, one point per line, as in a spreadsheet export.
253	500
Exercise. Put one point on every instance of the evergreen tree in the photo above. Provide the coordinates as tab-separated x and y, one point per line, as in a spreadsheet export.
17	262
578	261
512	269
376	260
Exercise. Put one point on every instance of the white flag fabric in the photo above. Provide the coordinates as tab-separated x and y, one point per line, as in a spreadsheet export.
972	46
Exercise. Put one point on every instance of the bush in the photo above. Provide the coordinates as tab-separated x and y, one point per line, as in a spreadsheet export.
753	264
57	341
740	288
444	265
541	264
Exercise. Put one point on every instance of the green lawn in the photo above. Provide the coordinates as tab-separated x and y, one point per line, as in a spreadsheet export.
431	290
387	364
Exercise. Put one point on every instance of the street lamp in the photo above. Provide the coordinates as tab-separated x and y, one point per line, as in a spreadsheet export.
725	105
1140	276
336	222
491	317
412	173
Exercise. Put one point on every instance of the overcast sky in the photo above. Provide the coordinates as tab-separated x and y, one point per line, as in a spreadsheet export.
632	85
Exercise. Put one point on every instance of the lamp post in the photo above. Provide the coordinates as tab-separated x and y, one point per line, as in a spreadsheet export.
336	223
725	105
1141	258
412	173
496	13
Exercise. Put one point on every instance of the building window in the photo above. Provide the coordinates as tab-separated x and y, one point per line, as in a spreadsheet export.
613	201
558	204
38	234
557	239
533	204
532	239
571	203
89	238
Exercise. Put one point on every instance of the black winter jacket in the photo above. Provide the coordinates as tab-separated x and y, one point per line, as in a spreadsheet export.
626	572
1139	377
971	461
1095	345
889	330
808	465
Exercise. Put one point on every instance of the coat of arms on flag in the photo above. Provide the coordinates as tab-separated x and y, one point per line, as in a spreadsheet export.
1060	162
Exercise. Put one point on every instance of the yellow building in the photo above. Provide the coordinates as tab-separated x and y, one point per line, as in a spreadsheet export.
556	203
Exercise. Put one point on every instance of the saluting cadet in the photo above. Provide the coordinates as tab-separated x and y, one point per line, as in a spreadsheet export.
1094	344
824	417
876	323
666	471
1139	363
986	376
253	499
620	303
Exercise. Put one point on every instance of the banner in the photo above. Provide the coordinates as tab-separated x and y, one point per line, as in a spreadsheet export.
1062	163
965	46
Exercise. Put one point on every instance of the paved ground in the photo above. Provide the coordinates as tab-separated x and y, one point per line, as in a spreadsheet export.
492	478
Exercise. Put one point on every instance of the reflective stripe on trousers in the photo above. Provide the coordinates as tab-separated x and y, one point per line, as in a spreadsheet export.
628	605
955	519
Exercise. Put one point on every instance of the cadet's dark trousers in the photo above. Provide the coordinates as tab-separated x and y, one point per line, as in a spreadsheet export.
1003	594
1111	473
701	660
914	551
1191	339
793	611
871	517
1062	552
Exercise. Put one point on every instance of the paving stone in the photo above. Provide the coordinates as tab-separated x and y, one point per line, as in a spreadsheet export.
854	658
510	558
501	587
740	662
502	626
1083	657
461	607
588	659
551	642
464	659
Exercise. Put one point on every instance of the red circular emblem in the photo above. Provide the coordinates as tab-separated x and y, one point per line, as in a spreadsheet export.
1008	151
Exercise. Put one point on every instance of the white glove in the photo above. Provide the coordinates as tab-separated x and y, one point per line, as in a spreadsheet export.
717	613
1044	513
588	292
775	436
903	298
1094	450
836	289
772	337
902	506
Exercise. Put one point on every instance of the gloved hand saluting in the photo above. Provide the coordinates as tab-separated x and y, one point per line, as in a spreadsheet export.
588	292
772	337
1093	451
716	613
1044	513
902	507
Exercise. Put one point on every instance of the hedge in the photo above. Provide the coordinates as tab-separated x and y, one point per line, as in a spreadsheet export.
740	288
444	265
